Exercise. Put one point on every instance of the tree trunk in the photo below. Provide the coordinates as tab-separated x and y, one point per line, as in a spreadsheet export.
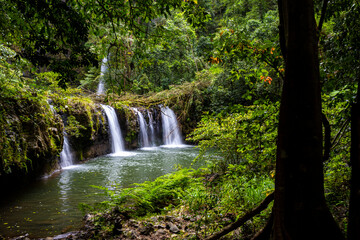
354	209
300	211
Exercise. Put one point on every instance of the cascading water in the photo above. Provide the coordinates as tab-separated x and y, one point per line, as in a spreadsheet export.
117	141
66	158
171	132
144	137
151	126
103	69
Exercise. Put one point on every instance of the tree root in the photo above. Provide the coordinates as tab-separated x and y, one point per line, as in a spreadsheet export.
263	205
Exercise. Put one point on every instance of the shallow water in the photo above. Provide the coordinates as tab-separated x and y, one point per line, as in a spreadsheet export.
50	206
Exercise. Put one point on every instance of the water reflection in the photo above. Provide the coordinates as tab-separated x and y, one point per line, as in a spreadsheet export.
64	185
50	206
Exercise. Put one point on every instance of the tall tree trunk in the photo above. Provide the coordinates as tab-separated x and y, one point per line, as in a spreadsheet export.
354	210
300	211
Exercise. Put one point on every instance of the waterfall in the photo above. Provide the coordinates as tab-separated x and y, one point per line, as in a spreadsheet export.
152	130
171	131
66	158
144	137
117	142
103	69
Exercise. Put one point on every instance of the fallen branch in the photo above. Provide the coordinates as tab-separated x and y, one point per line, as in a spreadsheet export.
263	205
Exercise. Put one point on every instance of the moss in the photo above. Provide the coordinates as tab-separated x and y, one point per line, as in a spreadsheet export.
28	134
128	124
79	119
84	125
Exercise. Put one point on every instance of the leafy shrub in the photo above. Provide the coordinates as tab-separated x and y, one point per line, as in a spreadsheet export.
151	196
243	135
219	201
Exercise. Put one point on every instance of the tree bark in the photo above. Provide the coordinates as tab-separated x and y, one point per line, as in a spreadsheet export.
327	140
300	211
354	208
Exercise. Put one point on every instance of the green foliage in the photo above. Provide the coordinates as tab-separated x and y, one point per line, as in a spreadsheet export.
337	174
91	79
244	135
234	193
47	33
133	41
250	56
340	45
172	60
151	196
132	15
26	121
10	71
216	60
73	127
220	201
247	9
26	132
213	203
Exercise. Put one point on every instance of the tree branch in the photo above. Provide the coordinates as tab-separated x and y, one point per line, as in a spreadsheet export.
327	145
282	37
263	205
339	135
322	18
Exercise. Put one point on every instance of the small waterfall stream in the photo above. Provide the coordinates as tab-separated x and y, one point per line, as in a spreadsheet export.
152	130
103	69
171	132
117	141
144	137
66	158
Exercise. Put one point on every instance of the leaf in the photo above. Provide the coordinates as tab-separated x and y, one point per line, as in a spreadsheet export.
334	93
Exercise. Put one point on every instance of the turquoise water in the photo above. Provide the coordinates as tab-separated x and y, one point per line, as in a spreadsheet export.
50	206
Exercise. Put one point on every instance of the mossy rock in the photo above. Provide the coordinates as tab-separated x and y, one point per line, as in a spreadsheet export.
128	124
30	137
84	123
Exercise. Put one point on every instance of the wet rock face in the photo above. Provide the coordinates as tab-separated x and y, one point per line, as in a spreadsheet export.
30	140
31	137
129	126
87	130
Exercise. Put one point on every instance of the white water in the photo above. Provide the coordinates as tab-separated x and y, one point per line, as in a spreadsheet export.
144	137
152	130
171	132
52	109
66	158
103	69
117	141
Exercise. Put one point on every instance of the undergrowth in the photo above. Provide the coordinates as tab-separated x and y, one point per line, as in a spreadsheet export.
213	200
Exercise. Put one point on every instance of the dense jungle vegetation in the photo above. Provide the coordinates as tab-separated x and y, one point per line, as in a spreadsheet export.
267	98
